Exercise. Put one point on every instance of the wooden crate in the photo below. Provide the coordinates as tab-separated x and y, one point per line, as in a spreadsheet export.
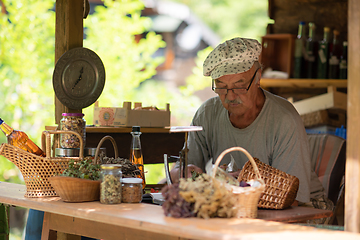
127	117
330	100
278	52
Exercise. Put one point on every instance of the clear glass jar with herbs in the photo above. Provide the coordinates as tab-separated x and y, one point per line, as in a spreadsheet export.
110	187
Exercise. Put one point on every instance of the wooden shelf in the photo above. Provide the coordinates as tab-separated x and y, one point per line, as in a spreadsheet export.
303	83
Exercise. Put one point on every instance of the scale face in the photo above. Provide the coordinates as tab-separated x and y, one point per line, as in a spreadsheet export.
79	78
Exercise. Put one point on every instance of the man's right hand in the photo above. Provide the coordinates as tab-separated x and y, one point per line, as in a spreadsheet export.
175	172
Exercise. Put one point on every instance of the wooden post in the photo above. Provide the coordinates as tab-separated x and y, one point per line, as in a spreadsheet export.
68	35
352	178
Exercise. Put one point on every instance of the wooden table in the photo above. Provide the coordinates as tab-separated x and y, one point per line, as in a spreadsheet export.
147	221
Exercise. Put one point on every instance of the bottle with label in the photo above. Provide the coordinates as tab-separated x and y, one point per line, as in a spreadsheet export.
299	54
136	155
20	139
343	62
311	52
334	57
323	53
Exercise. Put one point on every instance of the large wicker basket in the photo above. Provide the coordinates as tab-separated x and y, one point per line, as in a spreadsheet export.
280	188
36	170
247	197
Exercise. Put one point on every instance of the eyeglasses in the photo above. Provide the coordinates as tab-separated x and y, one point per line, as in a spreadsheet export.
223	91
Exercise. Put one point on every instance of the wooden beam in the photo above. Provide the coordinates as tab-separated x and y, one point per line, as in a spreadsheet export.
352	179
68	34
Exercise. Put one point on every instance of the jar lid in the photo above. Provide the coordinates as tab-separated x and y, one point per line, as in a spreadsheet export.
110	166
132	180
73	114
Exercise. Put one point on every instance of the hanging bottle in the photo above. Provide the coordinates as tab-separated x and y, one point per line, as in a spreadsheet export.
343	62
20	139
311	52
323	53
334	56
299	54
136	155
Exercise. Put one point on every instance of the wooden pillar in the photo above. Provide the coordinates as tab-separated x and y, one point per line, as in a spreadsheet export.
352	179
68	35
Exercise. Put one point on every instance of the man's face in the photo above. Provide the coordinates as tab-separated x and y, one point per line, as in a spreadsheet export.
239	101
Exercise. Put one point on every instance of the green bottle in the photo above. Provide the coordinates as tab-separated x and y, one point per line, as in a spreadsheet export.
334	58
323	55
299	54
343	62
311	53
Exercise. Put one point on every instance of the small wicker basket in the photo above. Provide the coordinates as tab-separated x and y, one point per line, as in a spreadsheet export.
247	197
280	188
71	189
35	169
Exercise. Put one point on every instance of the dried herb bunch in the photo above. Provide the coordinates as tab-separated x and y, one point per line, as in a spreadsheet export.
128	168
82	169
203	197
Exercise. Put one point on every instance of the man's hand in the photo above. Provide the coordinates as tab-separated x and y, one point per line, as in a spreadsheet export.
235	174
175	172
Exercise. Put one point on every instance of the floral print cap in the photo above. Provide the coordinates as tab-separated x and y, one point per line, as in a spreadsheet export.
233	56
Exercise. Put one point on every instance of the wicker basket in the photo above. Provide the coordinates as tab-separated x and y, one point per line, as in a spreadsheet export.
247	197
36	170
72	189
280	188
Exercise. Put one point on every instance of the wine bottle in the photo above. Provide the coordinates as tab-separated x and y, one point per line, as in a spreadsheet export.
20	139
343	62
299	60
136	155
323	53
311	52
334	56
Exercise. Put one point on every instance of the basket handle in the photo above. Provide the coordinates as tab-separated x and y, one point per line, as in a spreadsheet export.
46	141
101	142
251	159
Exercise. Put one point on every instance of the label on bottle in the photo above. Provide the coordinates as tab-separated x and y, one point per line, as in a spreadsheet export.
322	55
333	60
343	64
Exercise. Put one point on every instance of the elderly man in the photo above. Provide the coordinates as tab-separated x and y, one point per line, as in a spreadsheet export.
245	115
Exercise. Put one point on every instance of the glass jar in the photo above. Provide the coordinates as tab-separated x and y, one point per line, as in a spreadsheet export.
72	122
132	190
110	187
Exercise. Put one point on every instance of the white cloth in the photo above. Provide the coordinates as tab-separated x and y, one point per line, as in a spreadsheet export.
277	137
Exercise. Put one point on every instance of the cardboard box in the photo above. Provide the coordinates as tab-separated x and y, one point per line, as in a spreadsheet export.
330	100
127	117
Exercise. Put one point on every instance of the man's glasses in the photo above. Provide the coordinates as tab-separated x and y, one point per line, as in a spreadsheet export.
223	91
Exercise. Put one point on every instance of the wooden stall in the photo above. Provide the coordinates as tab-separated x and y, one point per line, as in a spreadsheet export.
342	14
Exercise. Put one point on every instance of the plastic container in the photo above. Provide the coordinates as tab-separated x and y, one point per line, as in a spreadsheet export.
132	190
72	122
110	187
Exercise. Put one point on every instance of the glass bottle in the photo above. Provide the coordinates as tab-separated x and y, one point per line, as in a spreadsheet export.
311	49
334	57
323	53
110	187
343	62
72	122
136	155
20	139
299	54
